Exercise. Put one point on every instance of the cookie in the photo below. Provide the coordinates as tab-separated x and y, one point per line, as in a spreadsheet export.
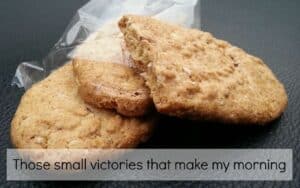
112	86
51	114
194	75
105	75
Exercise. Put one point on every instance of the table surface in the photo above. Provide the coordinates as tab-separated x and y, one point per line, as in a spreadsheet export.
268	29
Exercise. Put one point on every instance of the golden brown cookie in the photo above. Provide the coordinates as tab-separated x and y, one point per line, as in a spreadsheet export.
51	114
192	74
106	80
112	86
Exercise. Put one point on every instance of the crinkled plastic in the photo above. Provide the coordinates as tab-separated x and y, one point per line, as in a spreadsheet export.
97	14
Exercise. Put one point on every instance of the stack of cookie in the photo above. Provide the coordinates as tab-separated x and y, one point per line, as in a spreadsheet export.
108	95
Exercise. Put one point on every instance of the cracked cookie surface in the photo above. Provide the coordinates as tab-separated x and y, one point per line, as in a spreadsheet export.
51	114
112	86
106	79
194	75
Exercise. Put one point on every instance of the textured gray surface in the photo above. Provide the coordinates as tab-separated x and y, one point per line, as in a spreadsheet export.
269	29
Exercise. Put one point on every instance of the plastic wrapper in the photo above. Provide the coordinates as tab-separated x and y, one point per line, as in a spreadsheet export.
93	30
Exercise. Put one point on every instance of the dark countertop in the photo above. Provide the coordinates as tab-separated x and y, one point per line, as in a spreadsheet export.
268	29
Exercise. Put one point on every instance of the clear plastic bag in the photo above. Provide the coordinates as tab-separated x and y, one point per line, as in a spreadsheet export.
96	14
